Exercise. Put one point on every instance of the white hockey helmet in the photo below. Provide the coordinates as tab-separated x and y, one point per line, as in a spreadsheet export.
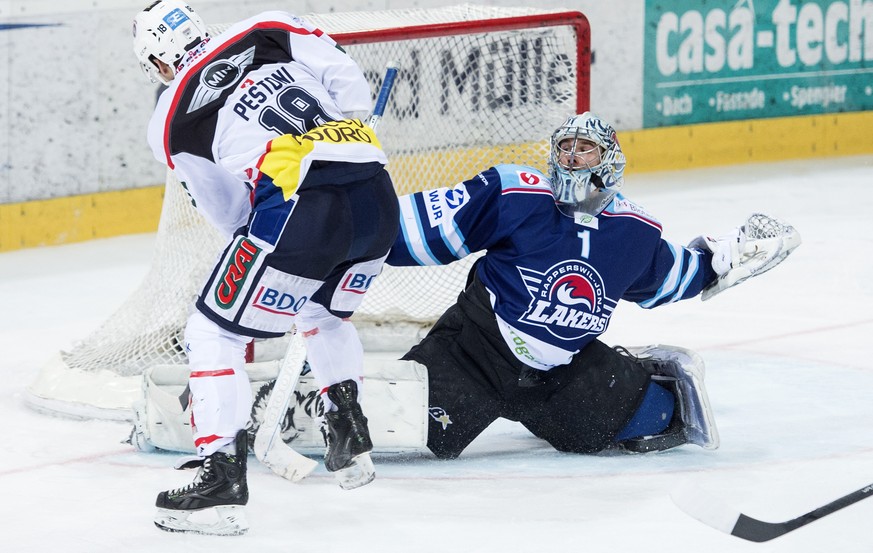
591	188
165	30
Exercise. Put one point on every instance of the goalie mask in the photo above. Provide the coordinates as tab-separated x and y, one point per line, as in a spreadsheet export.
586	165
165	31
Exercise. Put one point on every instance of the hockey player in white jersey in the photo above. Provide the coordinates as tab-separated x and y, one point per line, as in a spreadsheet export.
561	251
262	125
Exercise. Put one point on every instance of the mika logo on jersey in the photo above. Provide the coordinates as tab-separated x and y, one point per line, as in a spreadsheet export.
567	300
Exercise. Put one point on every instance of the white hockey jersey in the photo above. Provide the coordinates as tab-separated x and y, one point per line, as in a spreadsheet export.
258	103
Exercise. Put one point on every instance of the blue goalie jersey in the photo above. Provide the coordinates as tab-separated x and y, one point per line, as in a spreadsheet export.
554	281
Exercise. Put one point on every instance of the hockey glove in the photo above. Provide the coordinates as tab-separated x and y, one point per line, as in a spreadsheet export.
761	243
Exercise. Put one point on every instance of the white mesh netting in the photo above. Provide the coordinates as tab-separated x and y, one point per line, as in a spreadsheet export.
466	97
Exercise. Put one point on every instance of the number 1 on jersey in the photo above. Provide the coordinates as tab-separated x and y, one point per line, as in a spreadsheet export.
585	236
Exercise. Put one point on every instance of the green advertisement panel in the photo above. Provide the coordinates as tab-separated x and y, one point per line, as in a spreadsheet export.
723	60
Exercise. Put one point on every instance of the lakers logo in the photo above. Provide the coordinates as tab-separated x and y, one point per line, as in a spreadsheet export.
569	300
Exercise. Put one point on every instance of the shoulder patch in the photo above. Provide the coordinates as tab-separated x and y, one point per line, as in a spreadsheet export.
516	179
441	204
622	207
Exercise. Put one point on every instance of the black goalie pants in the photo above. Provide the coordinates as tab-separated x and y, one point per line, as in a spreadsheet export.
474	379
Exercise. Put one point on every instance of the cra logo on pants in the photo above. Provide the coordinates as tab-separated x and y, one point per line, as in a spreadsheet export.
240	260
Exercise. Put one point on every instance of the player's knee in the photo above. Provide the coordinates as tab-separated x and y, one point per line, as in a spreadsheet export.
208	344
200	328
315	316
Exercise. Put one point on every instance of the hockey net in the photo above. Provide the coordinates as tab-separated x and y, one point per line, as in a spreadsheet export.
477	86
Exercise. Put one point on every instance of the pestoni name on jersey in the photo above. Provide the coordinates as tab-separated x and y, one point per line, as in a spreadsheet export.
258	92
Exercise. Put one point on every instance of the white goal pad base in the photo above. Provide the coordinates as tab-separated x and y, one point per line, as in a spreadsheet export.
394	398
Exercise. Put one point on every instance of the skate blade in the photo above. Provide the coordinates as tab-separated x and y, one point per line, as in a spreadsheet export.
360	473
228	520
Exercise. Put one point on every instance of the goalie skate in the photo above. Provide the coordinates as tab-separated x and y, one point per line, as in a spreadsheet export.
348	438
213	503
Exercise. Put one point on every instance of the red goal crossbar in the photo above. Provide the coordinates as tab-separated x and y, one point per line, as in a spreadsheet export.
574	19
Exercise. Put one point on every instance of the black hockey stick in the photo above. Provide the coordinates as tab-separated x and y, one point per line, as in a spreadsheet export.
733	522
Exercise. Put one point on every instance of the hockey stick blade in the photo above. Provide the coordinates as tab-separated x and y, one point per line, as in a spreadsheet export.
384	93
711	512
269	447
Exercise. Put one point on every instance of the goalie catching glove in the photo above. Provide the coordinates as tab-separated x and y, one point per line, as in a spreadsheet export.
761	243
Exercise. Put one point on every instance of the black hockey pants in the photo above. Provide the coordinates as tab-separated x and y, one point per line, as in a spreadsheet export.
474	378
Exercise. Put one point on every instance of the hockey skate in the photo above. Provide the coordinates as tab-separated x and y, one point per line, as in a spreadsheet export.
348	438
681	371
213	503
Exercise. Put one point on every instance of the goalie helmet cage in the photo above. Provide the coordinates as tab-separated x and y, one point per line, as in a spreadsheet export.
477	86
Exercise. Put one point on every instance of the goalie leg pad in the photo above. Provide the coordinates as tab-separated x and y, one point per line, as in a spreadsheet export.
681	371
395	397
162	421
139	433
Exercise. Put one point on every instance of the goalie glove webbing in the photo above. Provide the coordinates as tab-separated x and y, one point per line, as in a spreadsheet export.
759	245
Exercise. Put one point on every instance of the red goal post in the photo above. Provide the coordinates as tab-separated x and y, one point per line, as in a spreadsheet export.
477	86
